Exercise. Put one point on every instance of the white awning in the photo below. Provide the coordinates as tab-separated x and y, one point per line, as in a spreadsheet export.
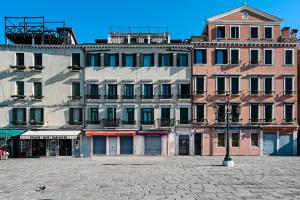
50	135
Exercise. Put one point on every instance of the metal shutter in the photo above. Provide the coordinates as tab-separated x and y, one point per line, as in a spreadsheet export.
126	145
285	145
270	141
152	145
99	143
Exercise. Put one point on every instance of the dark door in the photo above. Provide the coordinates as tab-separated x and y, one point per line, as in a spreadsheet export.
184	145
152	145
198	144
99	145
16	147
126	145
65	147
38	147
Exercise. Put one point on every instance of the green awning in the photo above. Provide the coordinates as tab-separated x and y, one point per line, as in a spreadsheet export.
10	133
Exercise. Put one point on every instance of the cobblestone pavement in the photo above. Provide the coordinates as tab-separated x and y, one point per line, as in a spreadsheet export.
150	178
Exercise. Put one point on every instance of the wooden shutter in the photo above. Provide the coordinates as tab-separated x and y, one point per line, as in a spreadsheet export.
31	114
134	60
71	115
14	114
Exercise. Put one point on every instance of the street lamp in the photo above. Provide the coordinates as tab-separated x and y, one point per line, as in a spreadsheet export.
227	160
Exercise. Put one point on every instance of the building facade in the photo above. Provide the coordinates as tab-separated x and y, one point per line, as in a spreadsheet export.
243	57
138	94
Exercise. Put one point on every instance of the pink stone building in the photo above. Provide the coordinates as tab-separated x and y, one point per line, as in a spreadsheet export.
244	53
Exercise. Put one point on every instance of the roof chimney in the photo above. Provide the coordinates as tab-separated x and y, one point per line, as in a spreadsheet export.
294	33
285	32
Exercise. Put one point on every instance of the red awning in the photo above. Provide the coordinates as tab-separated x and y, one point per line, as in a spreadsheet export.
110	133
153	133
280	129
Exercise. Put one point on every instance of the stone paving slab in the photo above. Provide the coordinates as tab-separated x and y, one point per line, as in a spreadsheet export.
150	178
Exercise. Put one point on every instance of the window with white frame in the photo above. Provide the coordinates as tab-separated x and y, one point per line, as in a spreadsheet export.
235	32
268	113
268	56
254	32
220	32
254	56
288	113
220	85
254	85
235	85
234	56
288	85
268	86
254	113
268	32
288	57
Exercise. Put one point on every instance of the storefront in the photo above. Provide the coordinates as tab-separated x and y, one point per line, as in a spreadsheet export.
111	142
50	143
280	141
10	140
155	142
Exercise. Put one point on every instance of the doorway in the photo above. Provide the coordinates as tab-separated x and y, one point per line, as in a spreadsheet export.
65	147
184	145
112	145
198	144
38	148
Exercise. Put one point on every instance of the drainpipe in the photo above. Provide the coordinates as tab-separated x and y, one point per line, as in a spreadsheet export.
84	99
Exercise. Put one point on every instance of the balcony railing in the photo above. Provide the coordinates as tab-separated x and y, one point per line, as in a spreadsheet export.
128	96
36	97
111	96
74	68
36	123
129	122
18	67
75	97
184	122
184	96
19	122
89	96
75	122
18	96
111	122
165	122
165	96
200	121
93	122
36	68
147	96
147	122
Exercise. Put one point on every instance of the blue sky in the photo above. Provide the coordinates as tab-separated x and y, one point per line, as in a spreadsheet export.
92	19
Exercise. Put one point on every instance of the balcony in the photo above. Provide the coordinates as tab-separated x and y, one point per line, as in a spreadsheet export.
111	96
184	122
19	122
93	122
18	97
74	68
89	96
36	123
165	122
184	96
147	122
128	96
269	120
111	122
75	97
18	67
75	122
129	122
36	97
147	96
166	96
36	68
